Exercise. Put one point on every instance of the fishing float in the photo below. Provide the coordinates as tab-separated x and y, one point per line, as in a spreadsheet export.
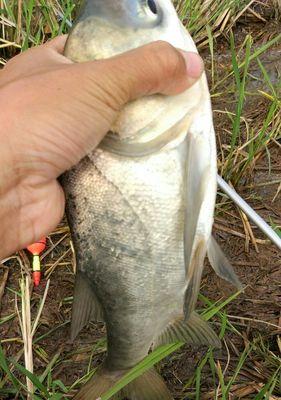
36	249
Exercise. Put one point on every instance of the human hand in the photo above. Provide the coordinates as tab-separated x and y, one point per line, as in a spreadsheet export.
53	112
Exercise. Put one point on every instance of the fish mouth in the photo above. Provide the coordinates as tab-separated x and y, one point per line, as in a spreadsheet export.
125	13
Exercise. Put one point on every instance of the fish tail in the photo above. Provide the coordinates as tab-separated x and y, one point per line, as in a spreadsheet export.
149	386
98	385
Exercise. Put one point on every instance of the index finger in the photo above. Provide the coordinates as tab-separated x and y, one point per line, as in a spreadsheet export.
57	44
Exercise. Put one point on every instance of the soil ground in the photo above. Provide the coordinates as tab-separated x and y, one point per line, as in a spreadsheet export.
255	313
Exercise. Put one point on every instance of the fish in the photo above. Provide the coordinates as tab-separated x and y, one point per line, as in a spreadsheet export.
141	206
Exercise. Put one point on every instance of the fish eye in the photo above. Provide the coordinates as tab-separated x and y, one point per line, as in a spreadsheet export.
149	12
152	6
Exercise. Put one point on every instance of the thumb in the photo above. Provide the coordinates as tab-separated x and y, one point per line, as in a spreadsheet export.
154	68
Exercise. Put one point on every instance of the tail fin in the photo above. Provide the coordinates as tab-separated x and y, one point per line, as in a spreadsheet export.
149	386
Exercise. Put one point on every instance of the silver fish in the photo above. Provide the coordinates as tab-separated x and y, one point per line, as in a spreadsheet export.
141	206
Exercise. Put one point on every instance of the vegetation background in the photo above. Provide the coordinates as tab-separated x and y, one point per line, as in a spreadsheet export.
240	43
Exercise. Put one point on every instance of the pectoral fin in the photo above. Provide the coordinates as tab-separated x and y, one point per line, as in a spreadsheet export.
86	306
200	195
221	265
194	331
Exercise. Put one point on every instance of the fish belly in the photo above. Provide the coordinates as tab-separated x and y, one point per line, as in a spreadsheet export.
127	222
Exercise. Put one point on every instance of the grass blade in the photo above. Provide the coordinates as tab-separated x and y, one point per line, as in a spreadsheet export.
142	367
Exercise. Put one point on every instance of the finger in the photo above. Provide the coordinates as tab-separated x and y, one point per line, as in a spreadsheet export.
57	44
37	60
154	68
42	213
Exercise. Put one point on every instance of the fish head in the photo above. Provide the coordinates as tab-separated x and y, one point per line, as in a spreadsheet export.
106	28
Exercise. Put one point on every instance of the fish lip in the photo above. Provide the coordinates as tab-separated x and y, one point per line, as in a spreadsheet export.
123	13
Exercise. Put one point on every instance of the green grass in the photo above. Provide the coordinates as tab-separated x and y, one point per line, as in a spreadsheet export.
237	163
48	388
27	23
54	389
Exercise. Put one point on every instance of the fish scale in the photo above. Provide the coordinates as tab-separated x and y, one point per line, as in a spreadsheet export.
144	239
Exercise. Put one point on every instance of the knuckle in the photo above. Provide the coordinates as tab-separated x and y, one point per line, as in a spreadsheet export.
169	60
